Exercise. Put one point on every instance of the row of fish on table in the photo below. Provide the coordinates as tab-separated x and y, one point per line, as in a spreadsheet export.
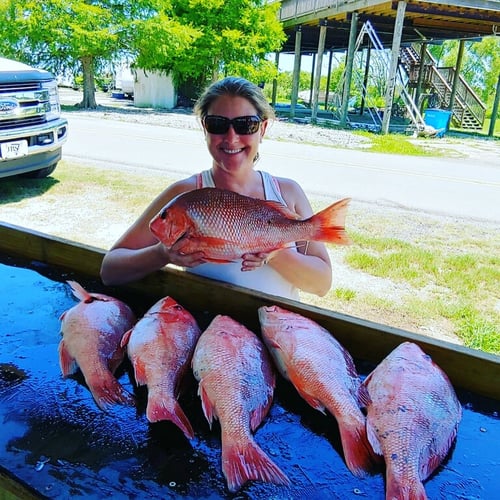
404	413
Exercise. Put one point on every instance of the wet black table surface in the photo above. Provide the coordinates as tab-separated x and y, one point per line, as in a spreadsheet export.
55	439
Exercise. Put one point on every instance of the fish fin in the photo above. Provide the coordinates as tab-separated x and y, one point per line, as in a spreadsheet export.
436	456
257	415
272	343
283	209
218	261
107	391
330	223
363	397
311	400
396	489
358	453
126	337
373	438
140	373
67	363
79	292
206	404
159	408
247	461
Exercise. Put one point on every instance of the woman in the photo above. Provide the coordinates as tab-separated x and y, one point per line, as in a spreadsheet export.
234	114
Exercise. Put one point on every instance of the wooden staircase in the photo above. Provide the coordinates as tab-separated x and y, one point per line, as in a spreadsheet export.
468	111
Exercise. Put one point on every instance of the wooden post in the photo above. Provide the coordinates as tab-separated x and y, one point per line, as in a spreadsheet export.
365	79
275	80
348	69
456	75
421	72
296	71
317	72
494	113
391	81
328	78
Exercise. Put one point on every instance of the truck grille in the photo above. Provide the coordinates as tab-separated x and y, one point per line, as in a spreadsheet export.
23	104
22	122
19	86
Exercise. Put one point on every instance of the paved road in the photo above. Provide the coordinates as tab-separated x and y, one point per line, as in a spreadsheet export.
436	185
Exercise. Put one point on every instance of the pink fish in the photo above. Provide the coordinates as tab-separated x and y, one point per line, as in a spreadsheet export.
224	225
236	385
324	374
412	419
160	347
92	331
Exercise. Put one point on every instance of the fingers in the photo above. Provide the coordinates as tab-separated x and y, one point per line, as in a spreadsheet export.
252	261
177	257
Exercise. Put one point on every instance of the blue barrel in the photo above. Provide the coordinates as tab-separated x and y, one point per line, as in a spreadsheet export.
439	119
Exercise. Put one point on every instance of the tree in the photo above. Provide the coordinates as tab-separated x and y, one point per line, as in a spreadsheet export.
61	35
196	41
193	40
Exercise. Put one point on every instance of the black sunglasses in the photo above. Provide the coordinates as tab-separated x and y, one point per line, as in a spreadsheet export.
243	125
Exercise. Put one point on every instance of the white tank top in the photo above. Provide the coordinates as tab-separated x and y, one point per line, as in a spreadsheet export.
265	278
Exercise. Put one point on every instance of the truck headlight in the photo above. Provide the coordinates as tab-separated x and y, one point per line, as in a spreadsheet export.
55	106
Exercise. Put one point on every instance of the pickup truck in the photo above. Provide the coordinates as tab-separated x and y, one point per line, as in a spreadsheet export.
32	131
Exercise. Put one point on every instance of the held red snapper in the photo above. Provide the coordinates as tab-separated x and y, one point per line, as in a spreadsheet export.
224	225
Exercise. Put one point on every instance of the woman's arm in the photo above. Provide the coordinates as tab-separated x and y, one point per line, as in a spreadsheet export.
309	268
138	252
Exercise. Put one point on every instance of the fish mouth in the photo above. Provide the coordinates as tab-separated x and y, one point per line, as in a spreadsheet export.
269	309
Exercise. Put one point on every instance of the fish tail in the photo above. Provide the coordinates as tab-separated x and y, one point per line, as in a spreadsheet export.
242	463
107	391
330	223
358	453
399	490
169	409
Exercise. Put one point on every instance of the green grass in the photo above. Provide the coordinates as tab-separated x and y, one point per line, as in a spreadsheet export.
469	280
394	144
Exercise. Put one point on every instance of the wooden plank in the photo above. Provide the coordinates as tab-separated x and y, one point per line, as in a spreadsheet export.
468	369
12	488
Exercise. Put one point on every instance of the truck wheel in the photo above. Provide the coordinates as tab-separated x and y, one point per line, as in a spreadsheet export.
40	174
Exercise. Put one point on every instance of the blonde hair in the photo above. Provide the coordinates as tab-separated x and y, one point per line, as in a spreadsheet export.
238	87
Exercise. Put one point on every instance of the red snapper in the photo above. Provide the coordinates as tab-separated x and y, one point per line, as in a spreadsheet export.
412	419
236	385
91	334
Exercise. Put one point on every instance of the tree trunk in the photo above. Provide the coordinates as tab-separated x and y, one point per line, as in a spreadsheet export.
88	101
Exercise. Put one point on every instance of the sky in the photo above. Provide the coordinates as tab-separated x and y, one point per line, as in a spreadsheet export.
286	63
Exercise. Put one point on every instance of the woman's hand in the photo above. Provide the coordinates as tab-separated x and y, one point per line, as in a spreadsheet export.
252	261
176	255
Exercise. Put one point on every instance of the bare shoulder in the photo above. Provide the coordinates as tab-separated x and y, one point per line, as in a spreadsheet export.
173	190
294	196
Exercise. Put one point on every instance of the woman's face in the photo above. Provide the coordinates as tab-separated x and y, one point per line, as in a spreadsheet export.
230	150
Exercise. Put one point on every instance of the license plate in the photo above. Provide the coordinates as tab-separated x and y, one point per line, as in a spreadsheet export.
14	149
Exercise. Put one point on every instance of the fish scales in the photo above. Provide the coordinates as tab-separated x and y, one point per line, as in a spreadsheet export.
91	334
236	385
225	225
324	374
412	419
160	348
